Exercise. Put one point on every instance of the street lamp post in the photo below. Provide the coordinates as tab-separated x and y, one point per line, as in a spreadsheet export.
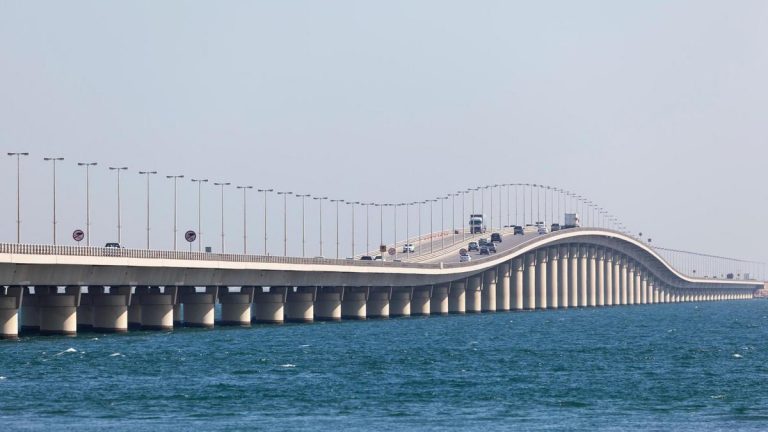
453	217
285	221
199	207
419	237
265	216
303	242
119	226
222	184
18	193
352	204
54	160
88	166
431	220
320	213
175	178
367	226
442	221
245	226
337	201
146	173
464	215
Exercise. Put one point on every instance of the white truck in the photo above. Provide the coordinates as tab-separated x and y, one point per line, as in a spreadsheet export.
572	220
476	224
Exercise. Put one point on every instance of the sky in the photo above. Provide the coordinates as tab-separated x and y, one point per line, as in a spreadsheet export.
654	110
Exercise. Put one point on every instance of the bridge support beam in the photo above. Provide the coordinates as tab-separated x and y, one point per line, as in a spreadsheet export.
624	281
530	281
583	295
30	311
439	304
573	285
503	293
85	310
608	277
328	304
553	298
134	308
541	279
457	298
58	312
420	302
198	306
644	288
591	276
563	284
474	295
353	303
400	303
157	308
488	291
518	266
600	278
110	310
10	303
178	314
378	302
236	306
269	307
300	304
638	284
631	283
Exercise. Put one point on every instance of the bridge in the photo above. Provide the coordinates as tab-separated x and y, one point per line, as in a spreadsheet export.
58	290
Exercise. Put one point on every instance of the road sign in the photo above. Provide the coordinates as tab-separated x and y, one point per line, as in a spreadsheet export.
391	251
190	236
462	251
383	248
78	235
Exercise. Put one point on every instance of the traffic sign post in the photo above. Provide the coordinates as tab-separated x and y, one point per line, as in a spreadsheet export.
78	235
190	236
391	251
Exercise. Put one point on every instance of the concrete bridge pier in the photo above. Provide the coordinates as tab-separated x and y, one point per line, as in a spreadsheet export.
624	281
583	290
457	297
600	277
30	311
473	298
134	308
608	278
518	267
236	306
529	302
400	303
573	269
10	303
503	293
328	303
553	299
269	307
58	312
616	278
631	283
638	284
354	303
378	302
110	310
643	288
198	306
420	301
653	292
300	304
85	310
439	303
541	279
591	283
488	291
178	313
157	308
563	273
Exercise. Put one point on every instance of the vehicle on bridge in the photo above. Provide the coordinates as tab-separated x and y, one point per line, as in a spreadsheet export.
366	258
476	223
473	246
491	247
482	242
543	230
409	248
378	258
496	237
465	258
555	227
484	250
519	230
572	220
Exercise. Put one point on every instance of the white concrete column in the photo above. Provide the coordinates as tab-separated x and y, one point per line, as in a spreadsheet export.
553	296
631	282
85	310
583	295
354	303
518	266
600	276
591	276
644	286
269	307
110	311
134	307
474	295
378	302
563	284
653	292
400	304
617	278
624	281
10	303
300	304
58	312
488	294
328	304
608	283
438	304
573	268
503	287
530	281
30	311
420	302
457	299
178	314
236	306
541	279
638	288
198	306
157	308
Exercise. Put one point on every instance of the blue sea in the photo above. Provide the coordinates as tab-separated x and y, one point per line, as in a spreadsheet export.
684	367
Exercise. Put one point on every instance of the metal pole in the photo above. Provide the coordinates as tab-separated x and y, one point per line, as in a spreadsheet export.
18	193
87	166
463	215
320	201
265	216
119	227
453	217
222	184
394	241
442	222
54	160
337	201
431	230
147	174
285	221
419	237
245	226
199	212
175	231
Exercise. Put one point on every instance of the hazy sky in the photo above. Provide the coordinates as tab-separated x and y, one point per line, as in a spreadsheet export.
656	110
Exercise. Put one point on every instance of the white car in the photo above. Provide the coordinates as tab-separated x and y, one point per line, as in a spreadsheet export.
408	247
465	258
543	230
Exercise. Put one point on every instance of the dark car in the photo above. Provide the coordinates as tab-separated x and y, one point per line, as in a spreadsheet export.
484	250
366	258
112	245
473	246
555	227
491	247
483	241
519	230
496	238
